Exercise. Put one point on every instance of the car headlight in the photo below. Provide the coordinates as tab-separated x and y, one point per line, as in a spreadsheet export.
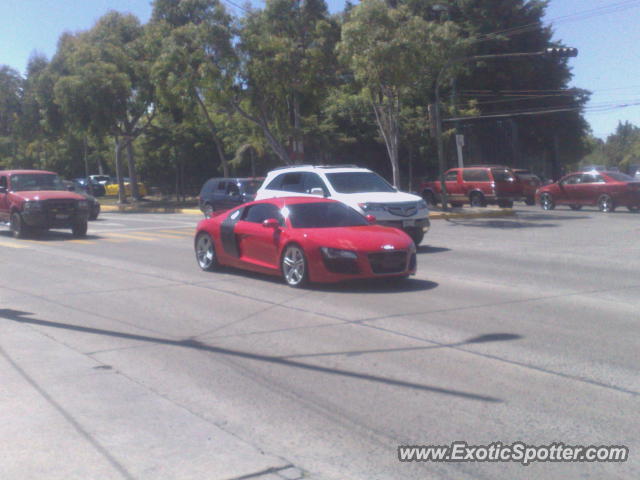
422	204
33	206
336	253
83	204
371	207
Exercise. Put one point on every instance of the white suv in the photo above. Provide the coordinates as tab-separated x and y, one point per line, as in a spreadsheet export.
360	188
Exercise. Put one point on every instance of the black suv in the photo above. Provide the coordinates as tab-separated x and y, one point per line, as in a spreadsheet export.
226	193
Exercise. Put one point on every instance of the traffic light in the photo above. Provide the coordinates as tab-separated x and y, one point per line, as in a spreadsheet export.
562	52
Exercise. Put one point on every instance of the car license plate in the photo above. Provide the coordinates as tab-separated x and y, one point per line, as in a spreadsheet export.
61	216
408	223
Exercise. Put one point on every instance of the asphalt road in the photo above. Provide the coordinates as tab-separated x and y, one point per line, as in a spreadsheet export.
119	358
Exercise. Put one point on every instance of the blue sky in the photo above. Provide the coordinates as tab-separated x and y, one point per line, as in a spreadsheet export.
606	32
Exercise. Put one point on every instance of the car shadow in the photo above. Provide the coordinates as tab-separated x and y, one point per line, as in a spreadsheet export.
373	285
430	249
51	236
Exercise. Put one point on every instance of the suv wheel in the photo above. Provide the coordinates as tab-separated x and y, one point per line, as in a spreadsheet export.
546	202
477	200
17	226
79	229
416	235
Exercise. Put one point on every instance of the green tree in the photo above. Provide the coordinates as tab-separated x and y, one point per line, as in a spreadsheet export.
11	86
393	53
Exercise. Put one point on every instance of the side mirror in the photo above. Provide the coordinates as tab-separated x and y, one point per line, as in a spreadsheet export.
371	219
317	191
271	223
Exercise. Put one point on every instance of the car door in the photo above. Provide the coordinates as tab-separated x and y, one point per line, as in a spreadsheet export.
454	189
259	245
569	190
591	187
4	199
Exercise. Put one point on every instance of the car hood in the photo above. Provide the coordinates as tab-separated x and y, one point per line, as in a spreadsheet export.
376	197
48	195
370	238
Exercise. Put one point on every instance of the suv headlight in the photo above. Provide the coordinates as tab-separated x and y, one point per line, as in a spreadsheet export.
336	253
83	204
371	207
33	206
422	204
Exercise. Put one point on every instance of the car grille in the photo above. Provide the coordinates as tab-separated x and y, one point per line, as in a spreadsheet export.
61	206
388	262
402	209
342	265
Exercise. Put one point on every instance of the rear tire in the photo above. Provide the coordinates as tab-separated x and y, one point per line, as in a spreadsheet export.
606	204
205	250
476	199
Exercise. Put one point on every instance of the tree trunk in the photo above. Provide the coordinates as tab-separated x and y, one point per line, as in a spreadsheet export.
387	118
275	145
218	142
122	196
133	177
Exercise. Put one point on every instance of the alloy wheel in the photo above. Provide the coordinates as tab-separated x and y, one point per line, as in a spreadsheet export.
205	252
294	266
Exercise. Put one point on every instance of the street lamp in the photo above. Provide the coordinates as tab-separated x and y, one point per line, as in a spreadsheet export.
552	52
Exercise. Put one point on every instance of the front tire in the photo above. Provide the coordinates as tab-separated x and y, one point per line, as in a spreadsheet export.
605	204
17	225
416	234
294	266
206	252
79	229
546	202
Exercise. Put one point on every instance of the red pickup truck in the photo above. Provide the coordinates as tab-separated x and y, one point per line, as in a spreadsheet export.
36	200
477	185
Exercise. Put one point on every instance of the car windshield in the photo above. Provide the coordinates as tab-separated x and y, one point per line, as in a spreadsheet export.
251	187
324	215
35	181
621	177
357	182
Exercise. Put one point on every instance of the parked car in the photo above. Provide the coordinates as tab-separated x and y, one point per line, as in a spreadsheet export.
304	239
94	204
530	183
360	188
89	186
477	185
605	189
101	179
225	193
37	200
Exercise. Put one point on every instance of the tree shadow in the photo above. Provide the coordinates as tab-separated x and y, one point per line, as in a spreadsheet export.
190	343
501	224
492	337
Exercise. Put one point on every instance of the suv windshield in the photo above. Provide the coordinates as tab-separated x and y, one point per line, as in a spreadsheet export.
35	181
358	182
324	215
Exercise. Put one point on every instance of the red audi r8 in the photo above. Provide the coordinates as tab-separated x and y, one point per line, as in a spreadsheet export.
305	240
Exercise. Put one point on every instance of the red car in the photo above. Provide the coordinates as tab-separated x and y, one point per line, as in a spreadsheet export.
607	190
305	240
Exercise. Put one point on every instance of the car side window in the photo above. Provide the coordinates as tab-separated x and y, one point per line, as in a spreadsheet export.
452	176
573	180
276	183
313	180
222	186
293	182
475	175
3	181
260	212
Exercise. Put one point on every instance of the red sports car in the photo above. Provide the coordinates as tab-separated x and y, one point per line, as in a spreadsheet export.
607	190
304	240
